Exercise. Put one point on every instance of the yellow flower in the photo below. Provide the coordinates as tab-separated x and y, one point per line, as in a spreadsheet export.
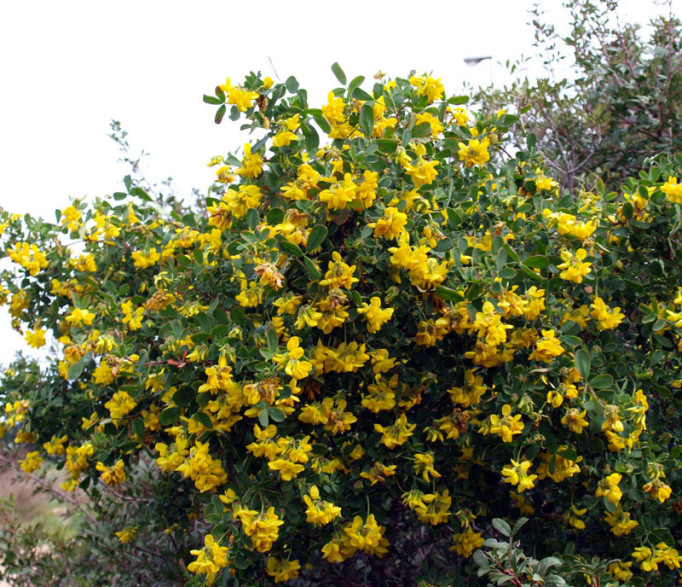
30	257
423	173
378	473
252	164
210	559
620	522
427	86
143	259
55	446
396	434
575	420
71	218
424	465
79	317
434	508
262	528
608	488
35	338
283	138
572	517
241	200
658	490
673	190
206	472
112	475
340	194
282	571
573	266
288	470
391	225
293	365
645	557
465	543
381	395
241	98
517	474
621	571
507	426
32	461
367	535
374	314
475	152
547	348
609	318
319	512
339	274
120	405
126	535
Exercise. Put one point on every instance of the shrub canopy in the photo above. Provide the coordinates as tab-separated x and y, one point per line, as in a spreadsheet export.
379	332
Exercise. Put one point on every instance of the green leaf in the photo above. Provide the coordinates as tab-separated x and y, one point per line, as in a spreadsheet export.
138	428
323	123
583	363
512	253
628	210
536	262
203	419
272	341
75	370
454	219
220	114
518	525
602	382
445	244
183	397
572	341
421	130
387	146
449	295
200	336
212	100
501	258
502	527
312	269
316	237
338	72
360	94
312	139
291	84
356	82
169	416
276	415
290	248
569	454
252	218
140	193
275	216
367	119
219	331
263	418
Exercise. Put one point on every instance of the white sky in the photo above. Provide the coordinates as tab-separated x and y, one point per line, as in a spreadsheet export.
69	67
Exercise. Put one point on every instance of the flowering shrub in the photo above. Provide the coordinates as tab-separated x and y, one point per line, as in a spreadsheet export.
379	332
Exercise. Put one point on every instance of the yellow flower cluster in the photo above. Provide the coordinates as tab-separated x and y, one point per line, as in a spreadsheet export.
365	535
30	257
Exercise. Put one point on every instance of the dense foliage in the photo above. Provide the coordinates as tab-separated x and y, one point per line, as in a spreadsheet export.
363	349
609	98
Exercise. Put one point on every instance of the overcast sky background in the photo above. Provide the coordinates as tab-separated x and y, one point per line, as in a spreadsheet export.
69	67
